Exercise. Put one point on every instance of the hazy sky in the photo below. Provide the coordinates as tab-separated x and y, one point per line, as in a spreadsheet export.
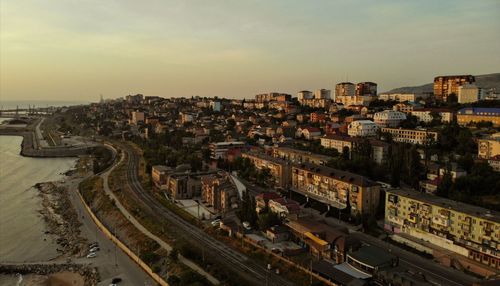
77	49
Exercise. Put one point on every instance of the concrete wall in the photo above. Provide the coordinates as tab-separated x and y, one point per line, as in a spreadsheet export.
123	247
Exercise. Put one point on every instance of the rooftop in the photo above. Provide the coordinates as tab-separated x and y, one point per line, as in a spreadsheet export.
372	255
450	204
337	174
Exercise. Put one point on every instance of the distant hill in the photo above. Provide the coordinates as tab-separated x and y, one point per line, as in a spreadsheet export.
485	81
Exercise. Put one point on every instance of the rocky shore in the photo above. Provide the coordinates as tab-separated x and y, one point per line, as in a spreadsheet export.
53	274
62	220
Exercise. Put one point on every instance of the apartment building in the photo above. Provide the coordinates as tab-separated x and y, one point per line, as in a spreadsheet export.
316	102
471	231
322	94
427	114
413	136
488	148
280	169
299	156
218	150
304	94
444	86
468	93
137	117
159	175
380	149
476	114
342	190
218	191
389	118
272	96
344	89
400	97
362	128
366	89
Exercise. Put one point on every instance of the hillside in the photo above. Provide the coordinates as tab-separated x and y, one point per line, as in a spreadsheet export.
485	81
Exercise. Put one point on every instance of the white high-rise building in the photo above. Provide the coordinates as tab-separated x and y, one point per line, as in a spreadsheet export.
322	94
469	93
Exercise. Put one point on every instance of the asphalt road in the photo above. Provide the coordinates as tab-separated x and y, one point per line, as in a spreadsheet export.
111	261
253	272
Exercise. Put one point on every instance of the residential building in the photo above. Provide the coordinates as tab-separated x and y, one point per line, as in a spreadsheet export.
186	118
413	136
309	133
284	207
159	176
346	191
316	103
489	147
218	191
468	93
137	117
304	94
280	169
344	89
468	230
216	106
219	150
400	97
322	94
469	115
362	128
428	114
389	118
366	89
380	149
273	96
317	117
444	86
368	260
262	200
299	156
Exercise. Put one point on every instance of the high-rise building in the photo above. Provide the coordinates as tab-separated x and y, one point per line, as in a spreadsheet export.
272	96
344	89
304	94
366	89
322	94
468	93
444	86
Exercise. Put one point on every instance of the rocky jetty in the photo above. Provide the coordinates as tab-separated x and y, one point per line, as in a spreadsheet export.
89	274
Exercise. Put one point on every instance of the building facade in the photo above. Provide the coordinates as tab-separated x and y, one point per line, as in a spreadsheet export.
488	148
468	93
342	190
380	149
468	230
469	115
280	169
412	136
218	150
444	86
362	128
389	118
366	89
297	156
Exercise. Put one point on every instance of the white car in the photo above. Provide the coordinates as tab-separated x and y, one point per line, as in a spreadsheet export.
246	225
216	222
92	255
94	249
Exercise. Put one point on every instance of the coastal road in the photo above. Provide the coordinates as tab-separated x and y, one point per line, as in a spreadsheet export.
111	261
252	271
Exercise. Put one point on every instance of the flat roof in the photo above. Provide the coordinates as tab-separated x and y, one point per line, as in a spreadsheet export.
336	174
449	204
371	255
265	157
294	150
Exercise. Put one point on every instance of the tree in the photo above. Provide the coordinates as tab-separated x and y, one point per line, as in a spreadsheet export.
444	187
267	220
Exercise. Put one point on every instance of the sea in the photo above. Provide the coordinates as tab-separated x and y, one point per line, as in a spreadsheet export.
24	104
22	228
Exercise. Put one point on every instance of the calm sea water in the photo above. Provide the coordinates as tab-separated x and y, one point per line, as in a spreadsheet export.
9	104
22	228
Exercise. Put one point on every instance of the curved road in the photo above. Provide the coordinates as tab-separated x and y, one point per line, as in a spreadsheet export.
253	272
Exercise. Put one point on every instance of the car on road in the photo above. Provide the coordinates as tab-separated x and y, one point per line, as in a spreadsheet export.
247	225
92	255
216	222
93	244
95	249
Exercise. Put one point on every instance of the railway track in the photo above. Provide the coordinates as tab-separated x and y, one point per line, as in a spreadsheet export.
255	273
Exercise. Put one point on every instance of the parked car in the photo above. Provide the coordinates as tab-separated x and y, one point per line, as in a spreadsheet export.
92	255
216	222
247	225
95	249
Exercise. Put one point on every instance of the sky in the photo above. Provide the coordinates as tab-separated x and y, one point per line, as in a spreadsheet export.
75	50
